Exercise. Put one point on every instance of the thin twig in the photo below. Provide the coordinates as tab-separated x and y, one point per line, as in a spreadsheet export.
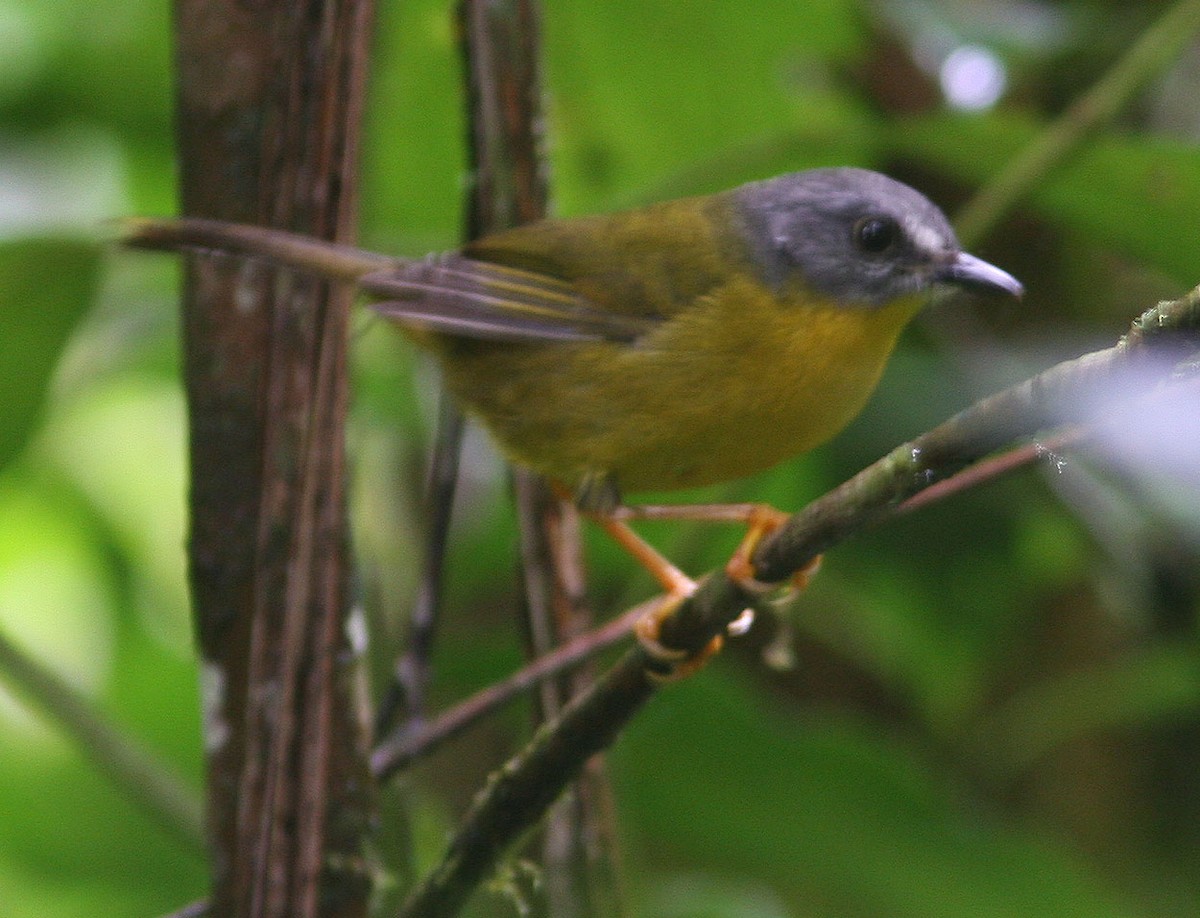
141	777
397	752
994	467
406	692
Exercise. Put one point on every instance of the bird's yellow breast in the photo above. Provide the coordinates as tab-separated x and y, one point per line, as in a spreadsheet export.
734	384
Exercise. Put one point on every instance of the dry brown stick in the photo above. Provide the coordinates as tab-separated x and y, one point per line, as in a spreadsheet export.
396	753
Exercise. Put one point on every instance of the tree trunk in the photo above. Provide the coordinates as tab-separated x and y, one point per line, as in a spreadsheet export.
269	104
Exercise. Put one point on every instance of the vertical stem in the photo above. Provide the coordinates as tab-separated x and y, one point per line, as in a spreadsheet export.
269	107
406	693
501	48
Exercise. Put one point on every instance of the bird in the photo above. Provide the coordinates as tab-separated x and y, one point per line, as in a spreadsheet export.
679	344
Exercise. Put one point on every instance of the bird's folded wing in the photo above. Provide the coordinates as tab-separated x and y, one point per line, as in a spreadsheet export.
476	299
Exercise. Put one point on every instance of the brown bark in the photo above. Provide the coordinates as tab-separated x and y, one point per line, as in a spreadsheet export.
269	104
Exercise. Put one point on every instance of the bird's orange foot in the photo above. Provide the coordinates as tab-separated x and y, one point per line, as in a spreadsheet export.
761	521
669	663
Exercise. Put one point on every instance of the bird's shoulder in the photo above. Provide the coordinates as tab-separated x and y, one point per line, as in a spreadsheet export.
653	261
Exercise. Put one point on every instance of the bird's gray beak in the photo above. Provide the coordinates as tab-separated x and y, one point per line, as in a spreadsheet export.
976	274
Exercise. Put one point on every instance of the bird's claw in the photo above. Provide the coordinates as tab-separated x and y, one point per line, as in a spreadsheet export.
671	664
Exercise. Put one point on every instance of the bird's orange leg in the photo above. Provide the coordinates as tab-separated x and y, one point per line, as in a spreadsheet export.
760	520
678	586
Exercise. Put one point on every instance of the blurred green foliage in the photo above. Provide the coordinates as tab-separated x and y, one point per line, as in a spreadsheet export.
993	704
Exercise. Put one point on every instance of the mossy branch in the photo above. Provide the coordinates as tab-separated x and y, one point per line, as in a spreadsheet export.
520	792
1063	394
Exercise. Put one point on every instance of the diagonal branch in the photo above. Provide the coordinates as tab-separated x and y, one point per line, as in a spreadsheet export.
397	752
528	784
1063	394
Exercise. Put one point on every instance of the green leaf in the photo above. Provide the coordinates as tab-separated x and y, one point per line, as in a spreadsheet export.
45	286
1157	685
832	815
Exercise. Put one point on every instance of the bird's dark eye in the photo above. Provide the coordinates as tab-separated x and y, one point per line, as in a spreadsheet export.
876	234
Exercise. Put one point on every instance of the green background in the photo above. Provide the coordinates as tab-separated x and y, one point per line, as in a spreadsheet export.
993	703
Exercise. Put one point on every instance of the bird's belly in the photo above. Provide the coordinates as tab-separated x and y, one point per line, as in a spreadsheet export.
671	414
739	426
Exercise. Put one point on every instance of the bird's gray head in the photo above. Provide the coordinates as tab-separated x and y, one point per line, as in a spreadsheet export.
858	237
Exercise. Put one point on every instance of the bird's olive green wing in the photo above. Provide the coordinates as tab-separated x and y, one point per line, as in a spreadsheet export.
457	295
653	263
